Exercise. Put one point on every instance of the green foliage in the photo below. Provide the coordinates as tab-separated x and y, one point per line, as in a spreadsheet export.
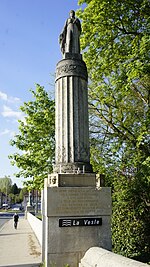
13	193
14	189
35	140
5	185
116	43
131	217
12	198
42	264
54	265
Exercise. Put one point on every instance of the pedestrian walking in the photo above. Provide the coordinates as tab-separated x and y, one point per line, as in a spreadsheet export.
16	218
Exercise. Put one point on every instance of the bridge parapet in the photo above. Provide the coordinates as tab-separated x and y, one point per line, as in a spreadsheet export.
99	257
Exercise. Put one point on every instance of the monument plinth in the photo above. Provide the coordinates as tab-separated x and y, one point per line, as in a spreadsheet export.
76	214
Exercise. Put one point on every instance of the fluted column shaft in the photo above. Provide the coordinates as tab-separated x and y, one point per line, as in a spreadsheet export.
72	127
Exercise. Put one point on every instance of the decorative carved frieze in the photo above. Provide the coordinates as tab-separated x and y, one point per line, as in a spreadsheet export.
71	67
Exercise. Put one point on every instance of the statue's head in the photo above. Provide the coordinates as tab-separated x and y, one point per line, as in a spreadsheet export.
72	13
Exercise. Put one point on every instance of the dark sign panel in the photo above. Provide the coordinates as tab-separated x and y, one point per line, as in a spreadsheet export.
69	222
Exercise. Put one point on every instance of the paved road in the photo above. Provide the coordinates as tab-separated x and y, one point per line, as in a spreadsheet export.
19	248
2	221
10	214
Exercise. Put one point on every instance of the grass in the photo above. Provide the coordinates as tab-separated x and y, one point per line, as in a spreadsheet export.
52	265
10	211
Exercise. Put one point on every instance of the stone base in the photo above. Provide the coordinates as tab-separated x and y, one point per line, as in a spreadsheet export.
71	180
76	218
75	167
67	245
72	56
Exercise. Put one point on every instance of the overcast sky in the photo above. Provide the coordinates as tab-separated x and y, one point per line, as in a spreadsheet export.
29	52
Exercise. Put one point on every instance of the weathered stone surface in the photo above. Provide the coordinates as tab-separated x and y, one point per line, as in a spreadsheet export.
72	56
99	257
66	259
78	201
72	125
73	167
78	239
71	67
67	245
71	180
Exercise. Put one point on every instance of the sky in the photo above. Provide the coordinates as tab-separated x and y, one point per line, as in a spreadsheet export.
29	52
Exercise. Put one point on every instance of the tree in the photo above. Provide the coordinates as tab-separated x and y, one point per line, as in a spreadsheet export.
11	198
23	192
35	139
116	43
5	185
14	189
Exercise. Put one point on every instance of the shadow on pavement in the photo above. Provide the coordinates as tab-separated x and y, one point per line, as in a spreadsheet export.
16	233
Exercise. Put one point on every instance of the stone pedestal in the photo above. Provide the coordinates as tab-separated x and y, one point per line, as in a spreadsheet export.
76	218
71	180
76	214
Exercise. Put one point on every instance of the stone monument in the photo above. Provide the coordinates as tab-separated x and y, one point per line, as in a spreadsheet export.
72	128
76	214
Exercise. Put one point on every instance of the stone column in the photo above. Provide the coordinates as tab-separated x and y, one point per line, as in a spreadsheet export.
72	126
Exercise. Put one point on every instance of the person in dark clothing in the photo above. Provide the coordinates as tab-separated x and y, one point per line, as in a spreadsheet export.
16	218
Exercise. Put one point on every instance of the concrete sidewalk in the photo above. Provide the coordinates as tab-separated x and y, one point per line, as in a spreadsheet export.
19	248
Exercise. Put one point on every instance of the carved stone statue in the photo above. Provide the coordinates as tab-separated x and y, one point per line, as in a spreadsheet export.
69	38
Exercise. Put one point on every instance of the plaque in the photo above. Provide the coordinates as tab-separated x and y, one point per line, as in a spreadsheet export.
70	222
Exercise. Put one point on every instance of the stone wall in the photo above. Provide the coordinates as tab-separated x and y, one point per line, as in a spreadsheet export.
99	257
36	226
